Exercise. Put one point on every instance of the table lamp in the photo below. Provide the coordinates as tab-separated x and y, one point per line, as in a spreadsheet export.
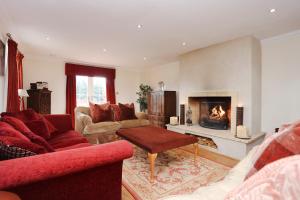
22	93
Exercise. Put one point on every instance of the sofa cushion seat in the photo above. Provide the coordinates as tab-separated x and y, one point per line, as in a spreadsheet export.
132	123
66	139
75	146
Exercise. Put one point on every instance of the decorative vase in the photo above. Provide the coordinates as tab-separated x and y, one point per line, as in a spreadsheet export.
189	121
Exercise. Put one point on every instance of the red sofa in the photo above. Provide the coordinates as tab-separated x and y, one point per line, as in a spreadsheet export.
75	171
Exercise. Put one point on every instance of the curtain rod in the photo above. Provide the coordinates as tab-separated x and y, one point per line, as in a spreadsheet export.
9	35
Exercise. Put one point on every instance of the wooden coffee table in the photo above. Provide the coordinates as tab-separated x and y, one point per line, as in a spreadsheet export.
155	140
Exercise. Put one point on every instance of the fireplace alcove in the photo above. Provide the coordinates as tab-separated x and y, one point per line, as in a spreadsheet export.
215	112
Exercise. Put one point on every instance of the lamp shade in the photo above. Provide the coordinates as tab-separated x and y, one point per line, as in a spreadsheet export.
22	93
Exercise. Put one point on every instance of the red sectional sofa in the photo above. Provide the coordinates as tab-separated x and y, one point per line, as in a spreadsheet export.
75	171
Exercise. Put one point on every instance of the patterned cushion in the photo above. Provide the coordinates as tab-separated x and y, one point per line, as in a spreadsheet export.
100	112
283	144
127	111
116	111
278	180
16	142
10	152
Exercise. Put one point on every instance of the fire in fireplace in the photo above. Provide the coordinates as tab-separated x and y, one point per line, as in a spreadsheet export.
215	112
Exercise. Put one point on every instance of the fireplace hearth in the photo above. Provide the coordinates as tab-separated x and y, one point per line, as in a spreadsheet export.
215	112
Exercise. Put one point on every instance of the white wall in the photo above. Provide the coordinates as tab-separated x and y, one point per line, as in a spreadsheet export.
280	80
231	66
52	70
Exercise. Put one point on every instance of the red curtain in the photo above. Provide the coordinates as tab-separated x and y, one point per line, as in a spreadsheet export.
71	96
19	60
72	70
13	104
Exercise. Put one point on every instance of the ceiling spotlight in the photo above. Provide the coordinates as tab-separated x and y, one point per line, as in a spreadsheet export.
272	10
145	58
104	50
139	26
184	43
48	38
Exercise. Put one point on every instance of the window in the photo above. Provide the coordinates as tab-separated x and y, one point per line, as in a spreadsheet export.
91	89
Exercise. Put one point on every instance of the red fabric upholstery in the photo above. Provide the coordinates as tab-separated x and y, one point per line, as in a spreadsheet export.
8	130
39	127
75	146
60	142
61	122
127	111
16	142
155	139
13	104
88	173
101	112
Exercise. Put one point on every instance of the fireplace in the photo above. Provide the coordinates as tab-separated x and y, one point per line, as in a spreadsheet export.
215	112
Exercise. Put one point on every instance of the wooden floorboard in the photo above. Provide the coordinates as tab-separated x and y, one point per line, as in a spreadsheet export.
216	157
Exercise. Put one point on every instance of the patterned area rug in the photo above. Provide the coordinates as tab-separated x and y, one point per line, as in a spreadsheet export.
175	174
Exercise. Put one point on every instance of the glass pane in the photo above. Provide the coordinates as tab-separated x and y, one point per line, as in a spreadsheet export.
82	91
99	90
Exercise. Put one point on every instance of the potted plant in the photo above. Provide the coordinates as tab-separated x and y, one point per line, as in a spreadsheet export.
142	99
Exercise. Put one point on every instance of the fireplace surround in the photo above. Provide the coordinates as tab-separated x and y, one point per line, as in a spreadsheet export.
227	99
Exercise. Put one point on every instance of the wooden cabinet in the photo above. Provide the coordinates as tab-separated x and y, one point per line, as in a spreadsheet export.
161	106
39	100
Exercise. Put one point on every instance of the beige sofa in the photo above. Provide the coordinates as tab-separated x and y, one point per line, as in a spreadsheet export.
103	132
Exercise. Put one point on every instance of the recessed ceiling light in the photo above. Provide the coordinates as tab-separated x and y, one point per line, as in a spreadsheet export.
145	58
139	26
272	10
104	50
184	43
48	38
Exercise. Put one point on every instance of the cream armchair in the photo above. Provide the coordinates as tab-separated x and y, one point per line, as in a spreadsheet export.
103	132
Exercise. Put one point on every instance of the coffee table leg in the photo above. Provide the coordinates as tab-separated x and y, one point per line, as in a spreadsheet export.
196	152
152	157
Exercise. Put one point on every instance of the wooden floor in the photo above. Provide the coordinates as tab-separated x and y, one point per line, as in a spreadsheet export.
224	160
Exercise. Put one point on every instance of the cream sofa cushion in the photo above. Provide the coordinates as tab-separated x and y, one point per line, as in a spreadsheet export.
101	127
132	123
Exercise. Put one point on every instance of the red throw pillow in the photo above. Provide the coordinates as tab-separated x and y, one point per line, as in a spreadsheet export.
8	130
16	142
116	111
100	112
277	146
24	115
127	111
39	127
50	126
16	123
39	140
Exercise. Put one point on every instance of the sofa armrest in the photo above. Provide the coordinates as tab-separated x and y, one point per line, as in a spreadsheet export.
62	122
141	115
27	170
81	121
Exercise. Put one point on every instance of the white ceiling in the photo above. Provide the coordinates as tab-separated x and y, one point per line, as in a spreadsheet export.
80	29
